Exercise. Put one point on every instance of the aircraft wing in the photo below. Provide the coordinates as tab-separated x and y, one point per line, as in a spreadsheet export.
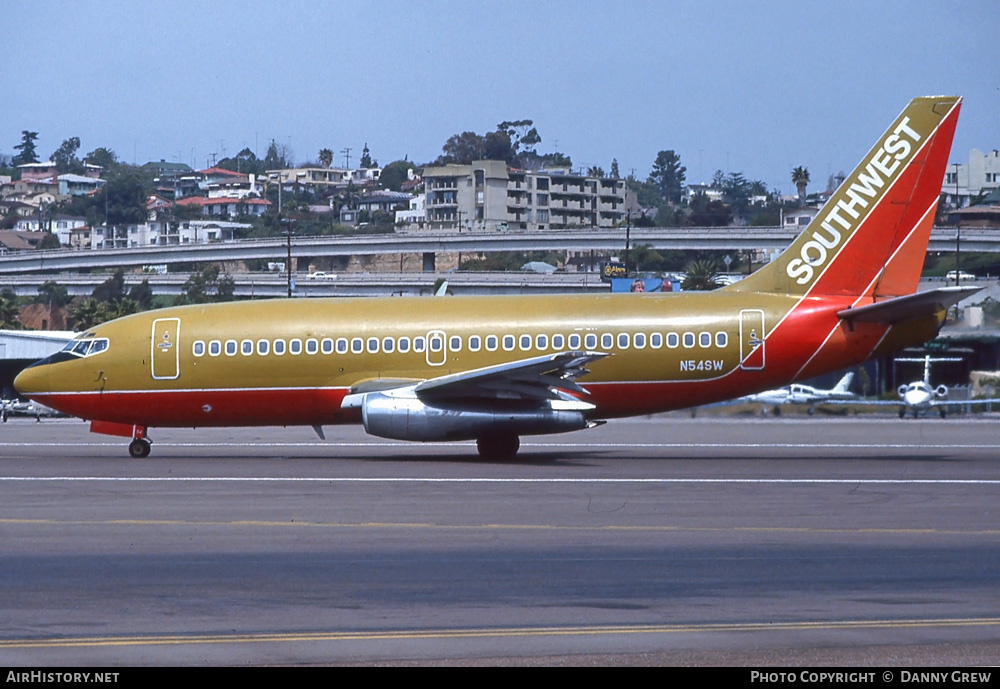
546	377
900	309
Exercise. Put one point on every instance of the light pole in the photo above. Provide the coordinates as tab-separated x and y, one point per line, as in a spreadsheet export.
288	257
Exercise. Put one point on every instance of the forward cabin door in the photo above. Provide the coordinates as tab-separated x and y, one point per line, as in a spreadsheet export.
165	346
752	339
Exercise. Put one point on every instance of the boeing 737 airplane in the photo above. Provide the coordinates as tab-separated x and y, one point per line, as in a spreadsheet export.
495	368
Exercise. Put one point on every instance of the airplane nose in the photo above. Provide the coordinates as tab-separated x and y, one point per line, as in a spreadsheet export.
32	380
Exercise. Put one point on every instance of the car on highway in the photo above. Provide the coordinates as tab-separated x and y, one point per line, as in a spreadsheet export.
320	275
959	275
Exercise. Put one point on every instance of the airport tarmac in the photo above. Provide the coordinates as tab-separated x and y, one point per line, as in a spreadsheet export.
666	540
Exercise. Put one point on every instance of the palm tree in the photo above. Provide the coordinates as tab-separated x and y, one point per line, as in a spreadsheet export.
800	178
326	157
701	275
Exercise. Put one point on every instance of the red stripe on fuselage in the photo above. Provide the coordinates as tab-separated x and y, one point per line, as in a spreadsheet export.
199	408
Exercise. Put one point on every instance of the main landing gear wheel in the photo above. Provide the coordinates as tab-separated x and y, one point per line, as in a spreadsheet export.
139	448
498	447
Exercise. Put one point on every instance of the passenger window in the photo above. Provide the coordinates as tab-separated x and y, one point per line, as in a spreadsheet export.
558	342
491	343
419	344
198	348
508	342
312	346
591	341
656	341
326	346
705	339
574	341
689	340
541	342
721	339
672	340
404	344
246	347
214	348
525	342
295	346
622	340
230	347
607	341
341	345
373	345
263	347
474	343
357	345
436	343
388	345
639	341
279	347
455	343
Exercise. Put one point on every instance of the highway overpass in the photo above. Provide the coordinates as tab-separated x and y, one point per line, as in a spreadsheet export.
428	244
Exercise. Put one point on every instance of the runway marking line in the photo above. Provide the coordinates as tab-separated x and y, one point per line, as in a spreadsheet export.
616	446
528	632
482	479
911	531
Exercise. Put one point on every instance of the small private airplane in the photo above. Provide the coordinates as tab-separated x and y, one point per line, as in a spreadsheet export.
799	393
920	397
492	369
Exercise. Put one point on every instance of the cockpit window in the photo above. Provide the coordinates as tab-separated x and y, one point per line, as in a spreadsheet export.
87	346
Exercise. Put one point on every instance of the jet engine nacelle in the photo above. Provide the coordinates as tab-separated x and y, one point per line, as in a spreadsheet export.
408	418
901	390
941	391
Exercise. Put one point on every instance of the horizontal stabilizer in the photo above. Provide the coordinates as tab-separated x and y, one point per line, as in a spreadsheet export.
910	307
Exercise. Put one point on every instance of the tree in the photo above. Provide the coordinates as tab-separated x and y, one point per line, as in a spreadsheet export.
86	313
104	157
9	310
27	149
49	241
326	157
394	174
142	294
462	149
124	196
614	169
65	156
278	157
668	176
112	290
207	285
245	162
52	293
706	213
595	171
800	178
366	159
736	190
701	275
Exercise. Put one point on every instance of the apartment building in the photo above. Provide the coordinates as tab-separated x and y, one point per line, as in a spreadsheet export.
487	195
964	182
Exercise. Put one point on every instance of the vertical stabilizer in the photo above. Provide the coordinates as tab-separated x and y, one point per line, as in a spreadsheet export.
871	236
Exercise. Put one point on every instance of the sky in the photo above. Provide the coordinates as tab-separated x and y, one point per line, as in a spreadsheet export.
744	86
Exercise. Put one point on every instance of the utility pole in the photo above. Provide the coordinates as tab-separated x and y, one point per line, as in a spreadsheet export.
628	238
288	258
347	157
